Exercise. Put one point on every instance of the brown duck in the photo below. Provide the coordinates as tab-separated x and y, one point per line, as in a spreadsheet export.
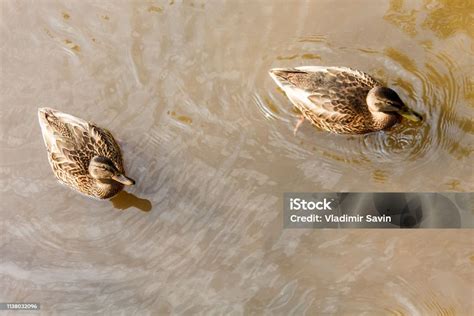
82	155
341	100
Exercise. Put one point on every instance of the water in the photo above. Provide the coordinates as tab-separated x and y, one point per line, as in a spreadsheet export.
184	88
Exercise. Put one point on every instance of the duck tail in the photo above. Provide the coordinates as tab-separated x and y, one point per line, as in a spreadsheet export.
281	76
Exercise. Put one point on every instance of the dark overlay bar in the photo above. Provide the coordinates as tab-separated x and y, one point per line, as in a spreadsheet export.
378	210
20	306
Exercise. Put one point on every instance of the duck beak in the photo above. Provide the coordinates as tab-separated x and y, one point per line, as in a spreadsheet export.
409	114
123	179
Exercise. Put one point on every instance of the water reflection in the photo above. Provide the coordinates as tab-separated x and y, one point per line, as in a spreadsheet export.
445	18
401	16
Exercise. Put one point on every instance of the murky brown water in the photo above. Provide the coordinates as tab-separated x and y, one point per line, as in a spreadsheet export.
208	137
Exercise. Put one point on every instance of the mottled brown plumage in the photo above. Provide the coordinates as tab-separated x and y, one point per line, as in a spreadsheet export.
335	99
76	148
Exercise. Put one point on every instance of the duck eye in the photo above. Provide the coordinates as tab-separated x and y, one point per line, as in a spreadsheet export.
394	104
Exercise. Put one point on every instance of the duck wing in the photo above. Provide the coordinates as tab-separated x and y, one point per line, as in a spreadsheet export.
105	145
69	151
334	93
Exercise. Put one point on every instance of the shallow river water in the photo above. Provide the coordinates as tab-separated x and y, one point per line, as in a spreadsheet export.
184	87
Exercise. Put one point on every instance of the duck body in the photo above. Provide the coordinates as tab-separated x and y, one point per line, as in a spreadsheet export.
335	99
82	155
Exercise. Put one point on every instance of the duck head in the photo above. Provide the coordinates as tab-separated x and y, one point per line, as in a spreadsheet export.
385	100
103	169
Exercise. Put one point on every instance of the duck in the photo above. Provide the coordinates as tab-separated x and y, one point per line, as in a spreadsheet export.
83	156
341	100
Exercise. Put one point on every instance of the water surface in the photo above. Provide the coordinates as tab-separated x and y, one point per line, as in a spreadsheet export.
184	87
